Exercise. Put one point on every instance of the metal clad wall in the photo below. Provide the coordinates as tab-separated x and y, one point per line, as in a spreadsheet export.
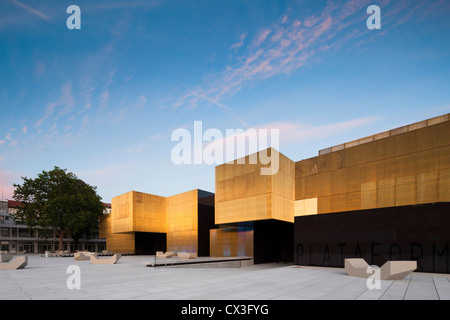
244	194
411	167
182	222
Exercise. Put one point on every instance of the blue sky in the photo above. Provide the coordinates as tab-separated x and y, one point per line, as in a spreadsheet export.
104	100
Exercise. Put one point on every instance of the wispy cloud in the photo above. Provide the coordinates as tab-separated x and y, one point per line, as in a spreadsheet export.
31	10
139	148
118	5
297	132
117	115
294	132
147	144
65	103
240	43
261	37
290	133
278	49
283	48
12	142
104	98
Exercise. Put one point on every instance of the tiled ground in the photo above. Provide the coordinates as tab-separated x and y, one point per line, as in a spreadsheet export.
130	279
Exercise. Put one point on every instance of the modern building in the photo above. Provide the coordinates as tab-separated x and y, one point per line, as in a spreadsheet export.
17	237
142	223
383	197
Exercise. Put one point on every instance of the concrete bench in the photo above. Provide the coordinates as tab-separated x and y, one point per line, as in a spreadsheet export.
18	262
112	260
168	254
391	270
5	257
186	255
82	256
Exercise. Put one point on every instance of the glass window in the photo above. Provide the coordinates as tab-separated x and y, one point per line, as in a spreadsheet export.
4	232
24	233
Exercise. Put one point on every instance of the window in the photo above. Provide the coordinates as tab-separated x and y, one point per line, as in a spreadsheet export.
4	232
24	233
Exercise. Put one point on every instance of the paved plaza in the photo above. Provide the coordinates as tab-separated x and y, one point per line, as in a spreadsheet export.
46	278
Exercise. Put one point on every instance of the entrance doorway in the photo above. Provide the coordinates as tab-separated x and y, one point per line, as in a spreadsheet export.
148	242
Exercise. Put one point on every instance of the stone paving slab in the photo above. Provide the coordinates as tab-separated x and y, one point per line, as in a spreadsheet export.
130	279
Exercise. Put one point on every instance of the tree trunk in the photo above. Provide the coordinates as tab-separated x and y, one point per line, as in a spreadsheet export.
61	244
75	243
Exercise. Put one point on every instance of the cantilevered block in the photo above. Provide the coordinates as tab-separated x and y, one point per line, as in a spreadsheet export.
112	260
247	192
19	262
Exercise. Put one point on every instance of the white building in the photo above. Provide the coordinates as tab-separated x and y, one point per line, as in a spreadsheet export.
16	237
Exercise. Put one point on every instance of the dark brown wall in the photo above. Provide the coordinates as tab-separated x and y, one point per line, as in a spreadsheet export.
420	232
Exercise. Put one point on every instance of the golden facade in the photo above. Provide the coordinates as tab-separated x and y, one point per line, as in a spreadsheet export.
182	217
244	194
176	216
404	166
231	242
116	242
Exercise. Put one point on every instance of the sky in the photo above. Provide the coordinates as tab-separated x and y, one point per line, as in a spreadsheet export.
103	101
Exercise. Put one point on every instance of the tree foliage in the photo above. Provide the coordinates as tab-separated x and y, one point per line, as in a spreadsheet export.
58	200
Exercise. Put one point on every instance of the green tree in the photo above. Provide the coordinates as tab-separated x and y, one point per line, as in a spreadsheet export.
58	200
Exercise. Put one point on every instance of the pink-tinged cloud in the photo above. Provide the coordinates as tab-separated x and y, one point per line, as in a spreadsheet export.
239	44
287	133
290	47
261	37
12	141
7	179
293	132
31	10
